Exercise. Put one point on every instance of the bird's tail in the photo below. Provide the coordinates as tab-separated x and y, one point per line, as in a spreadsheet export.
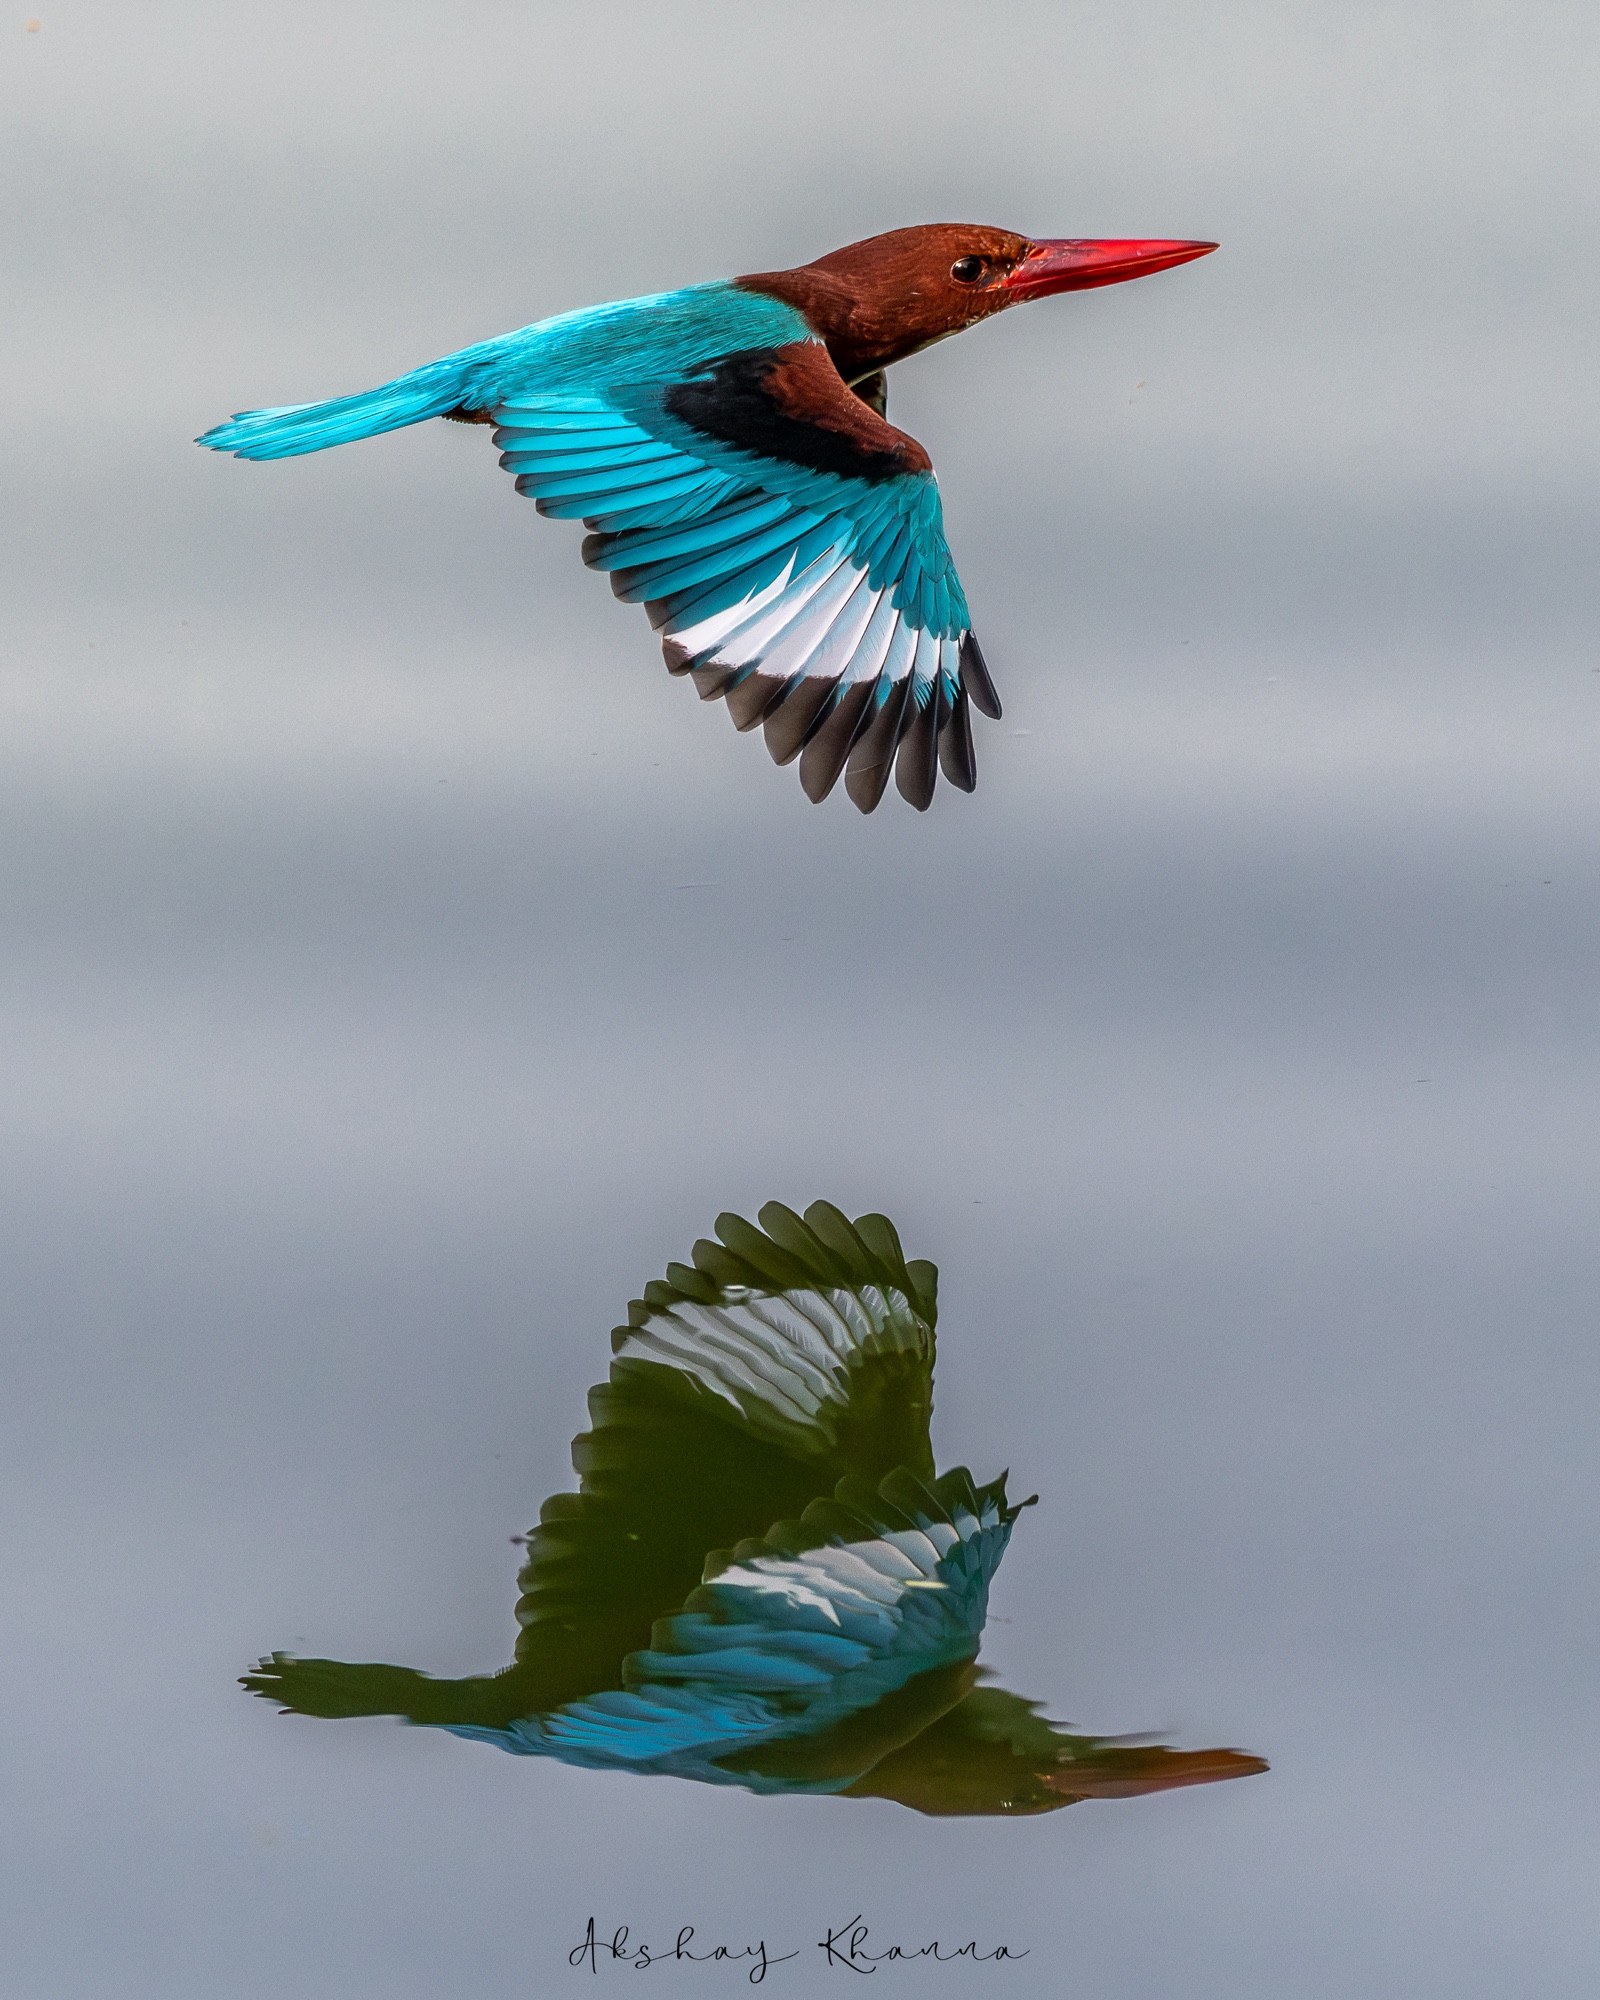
348	1687
301	427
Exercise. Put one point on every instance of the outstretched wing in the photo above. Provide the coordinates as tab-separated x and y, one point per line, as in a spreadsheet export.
994	1753
810	1652
745	1385
788	543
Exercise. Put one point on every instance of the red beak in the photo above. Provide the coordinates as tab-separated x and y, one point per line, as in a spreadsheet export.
1073	264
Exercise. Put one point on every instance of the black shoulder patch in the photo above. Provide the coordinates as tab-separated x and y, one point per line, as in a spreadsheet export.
788	403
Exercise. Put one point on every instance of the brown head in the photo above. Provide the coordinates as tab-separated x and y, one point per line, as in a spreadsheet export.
877	301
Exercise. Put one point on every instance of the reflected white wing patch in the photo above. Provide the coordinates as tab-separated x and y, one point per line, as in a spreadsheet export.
783	1356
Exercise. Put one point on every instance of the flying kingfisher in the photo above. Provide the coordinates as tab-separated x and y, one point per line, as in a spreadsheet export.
728	448
762	1580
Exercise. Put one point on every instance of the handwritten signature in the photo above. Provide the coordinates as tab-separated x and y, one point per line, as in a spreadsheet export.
846	1947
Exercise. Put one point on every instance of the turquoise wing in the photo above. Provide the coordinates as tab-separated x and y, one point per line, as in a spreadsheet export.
788	544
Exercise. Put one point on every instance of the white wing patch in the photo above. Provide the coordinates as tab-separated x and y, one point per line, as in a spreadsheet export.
858	1588
780	1355
749	632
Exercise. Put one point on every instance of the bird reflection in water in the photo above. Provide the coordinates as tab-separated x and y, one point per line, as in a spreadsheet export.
762	1580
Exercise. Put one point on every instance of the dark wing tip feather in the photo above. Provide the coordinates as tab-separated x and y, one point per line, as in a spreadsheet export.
975	677
789	723
753	697
866	774
957	757
710	682
865	785
823	758
787	1251
836	731
916	769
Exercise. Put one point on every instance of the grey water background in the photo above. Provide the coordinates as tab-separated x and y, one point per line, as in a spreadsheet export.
398	969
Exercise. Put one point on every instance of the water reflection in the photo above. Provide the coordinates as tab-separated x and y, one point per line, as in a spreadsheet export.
762	1581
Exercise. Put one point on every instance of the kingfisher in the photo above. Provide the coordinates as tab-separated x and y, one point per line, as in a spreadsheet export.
728	448
762	1580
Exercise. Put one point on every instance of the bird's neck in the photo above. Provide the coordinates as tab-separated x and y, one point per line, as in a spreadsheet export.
863	333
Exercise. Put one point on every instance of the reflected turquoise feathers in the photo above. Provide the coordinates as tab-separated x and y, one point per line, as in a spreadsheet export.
762	1581
728	448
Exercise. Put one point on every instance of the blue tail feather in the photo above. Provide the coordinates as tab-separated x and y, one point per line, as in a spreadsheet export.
302	427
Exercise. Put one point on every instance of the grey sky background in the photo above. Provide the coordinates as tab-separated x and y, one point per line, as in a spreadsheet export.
398	969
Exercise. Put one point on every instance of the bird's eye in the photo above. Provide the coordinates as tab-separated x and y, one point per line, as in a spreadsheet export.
968	270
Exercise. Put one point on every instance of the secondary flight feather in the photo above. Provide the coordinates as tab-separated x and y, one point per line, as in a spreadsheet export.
728	448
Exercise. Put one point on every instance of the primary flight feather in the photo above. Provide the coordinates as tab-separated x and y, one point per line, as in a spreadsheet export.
727	447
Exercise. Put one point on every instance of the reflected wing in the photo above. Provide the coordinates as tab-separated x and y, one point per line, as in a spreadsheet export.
788	543
994	1753
810	1651
744	1385
748	1383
